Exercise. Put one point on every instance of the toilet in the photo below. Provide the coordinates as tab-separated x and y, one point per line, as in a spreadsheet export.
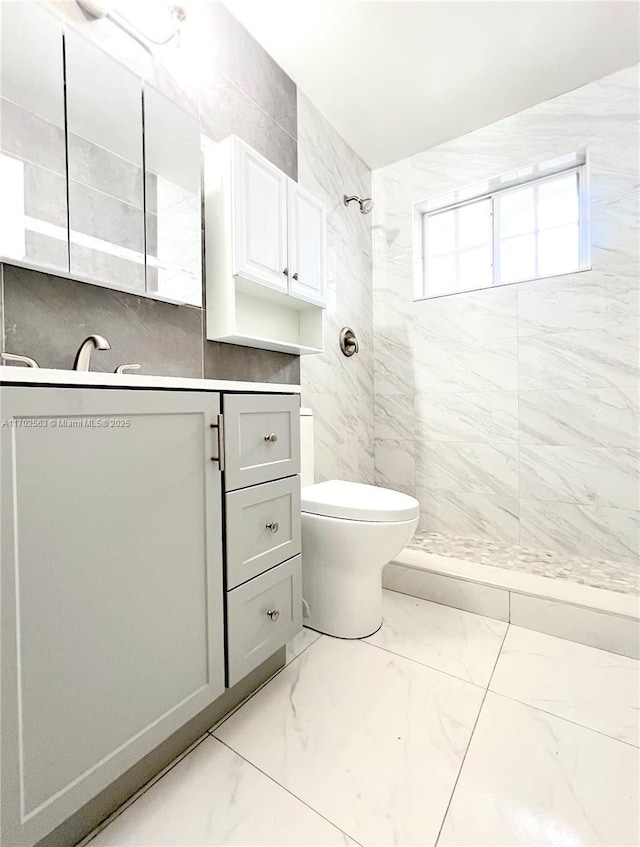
349	533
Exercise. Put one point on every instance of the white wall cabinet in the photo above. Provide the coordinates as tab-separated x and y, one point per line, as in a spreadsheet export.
260	219
266	253
112	589
307	220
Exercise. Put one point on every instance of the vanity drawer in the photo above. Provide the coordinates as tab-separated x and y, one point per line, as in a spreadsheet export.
262	615
262	438
263	528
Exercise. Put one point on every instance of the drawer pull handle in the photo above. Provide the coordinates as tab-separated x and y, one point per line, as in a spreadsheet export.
273	526
274	614
296	277
271	438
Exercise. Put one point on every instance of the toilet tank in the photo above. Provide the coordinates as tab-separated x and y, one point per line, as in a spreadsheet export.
306	446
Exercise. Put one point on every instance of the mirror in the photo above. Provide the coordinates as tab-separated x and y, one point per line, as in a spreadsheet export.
33	199
106	193
173	202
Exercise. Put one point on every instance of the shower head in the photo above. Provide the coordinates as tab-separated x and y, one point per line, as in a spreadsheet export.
366	204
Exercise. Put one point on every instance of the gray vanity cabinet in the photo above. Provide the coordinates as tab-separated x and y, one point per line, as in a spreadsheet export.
262	527
112	595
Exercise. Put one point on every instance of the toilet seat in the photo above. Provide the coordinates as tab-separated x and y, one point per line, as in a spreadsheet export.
357	502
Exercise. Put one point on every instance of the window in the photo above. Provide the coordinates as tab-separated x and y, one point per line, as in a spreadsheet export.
530	230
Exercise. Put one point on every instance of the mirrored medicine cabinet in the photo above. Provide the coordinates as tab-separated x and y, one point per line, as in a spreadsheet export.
100	173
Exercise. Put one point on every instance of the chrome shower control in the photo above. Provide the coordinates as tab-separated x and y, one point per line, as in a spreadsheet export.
273	526
348	341
271	438
274	614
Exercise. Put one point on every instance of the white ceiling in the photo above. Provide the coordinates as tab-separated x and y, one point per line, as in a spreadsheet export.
398	76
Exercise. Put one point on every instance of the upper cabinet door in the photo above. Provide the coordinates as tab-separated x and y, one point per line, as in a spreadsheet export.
307	246
33	194
173	216
260	220
106	194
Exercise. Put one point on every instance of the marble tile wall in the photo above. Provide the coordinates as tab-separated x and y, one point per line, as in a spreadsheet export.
337	388
223	76
512	413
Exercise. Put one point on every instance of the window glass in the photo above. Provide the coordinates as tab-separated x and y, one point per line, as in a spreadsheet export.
441	234
517	214
558	201
558	250
517	258
515	234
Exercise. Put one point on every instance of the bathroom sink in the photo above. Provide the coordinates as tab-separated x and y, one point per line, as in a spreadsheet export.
94	379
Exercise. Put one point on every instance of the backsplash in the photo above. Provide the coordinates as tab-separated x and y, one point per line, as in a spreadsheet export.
512	413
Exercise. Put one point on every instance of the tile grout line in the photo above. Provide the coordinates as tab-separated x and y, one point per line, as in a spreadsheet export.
440	602
134	797
464	758
422	664
284	788
566	720
208	734
250	696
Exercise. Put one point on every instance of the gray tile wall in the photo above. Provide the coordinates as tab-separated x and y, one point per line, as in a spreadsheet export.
221	74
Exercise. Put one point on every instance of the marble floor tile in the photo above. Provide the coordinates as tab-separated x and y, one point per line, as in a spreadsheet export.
299	644
371	741
460	643
214	797
535	779
594	688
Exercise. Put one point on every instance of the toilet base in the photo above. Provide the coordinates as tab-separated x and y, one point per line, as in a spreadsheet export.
345	637
342	563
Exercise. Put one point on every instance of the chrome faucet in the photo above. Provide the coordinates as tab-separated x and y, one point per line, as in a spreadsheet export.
83	356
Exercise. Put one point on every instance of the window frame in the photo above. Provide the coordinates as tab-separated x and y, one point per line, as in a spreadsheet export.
425	209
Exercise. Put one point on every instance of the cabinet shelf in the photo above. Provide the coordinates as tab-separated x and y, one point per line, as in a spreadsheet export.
266	266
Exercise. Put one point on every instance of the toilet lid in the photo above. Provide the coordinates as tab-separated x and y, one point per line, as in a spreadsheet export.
357	502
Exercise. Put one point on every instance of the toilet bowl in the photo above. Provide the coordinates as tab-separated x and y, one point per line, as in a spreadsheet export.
349	533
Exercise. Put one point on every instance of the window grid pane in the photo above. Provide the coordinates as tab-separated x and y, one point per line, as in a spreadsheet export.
528	232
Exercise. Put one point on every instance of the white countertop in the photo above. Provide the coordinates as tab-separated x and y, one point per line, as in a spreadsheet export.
95	379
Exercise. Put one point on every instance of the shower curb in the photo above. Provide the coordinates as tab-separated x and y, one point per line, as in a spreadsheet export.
596	617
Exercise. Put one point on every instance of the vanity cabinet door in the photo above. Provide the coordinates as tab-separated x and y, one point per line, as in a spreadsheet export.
260	219
307	246
112	605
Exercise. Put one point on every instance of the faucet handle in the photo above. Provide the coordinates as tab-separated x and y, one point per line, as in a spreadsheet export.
25	360
121	369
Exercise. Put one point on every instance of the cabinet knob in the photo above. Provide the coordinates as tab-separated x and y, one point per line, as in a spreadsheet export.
271	438
286	271
296	277
274	614
273	526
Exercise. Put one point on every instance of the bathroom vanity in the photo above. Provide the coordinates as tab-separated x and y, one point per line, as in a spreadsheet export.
150	563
